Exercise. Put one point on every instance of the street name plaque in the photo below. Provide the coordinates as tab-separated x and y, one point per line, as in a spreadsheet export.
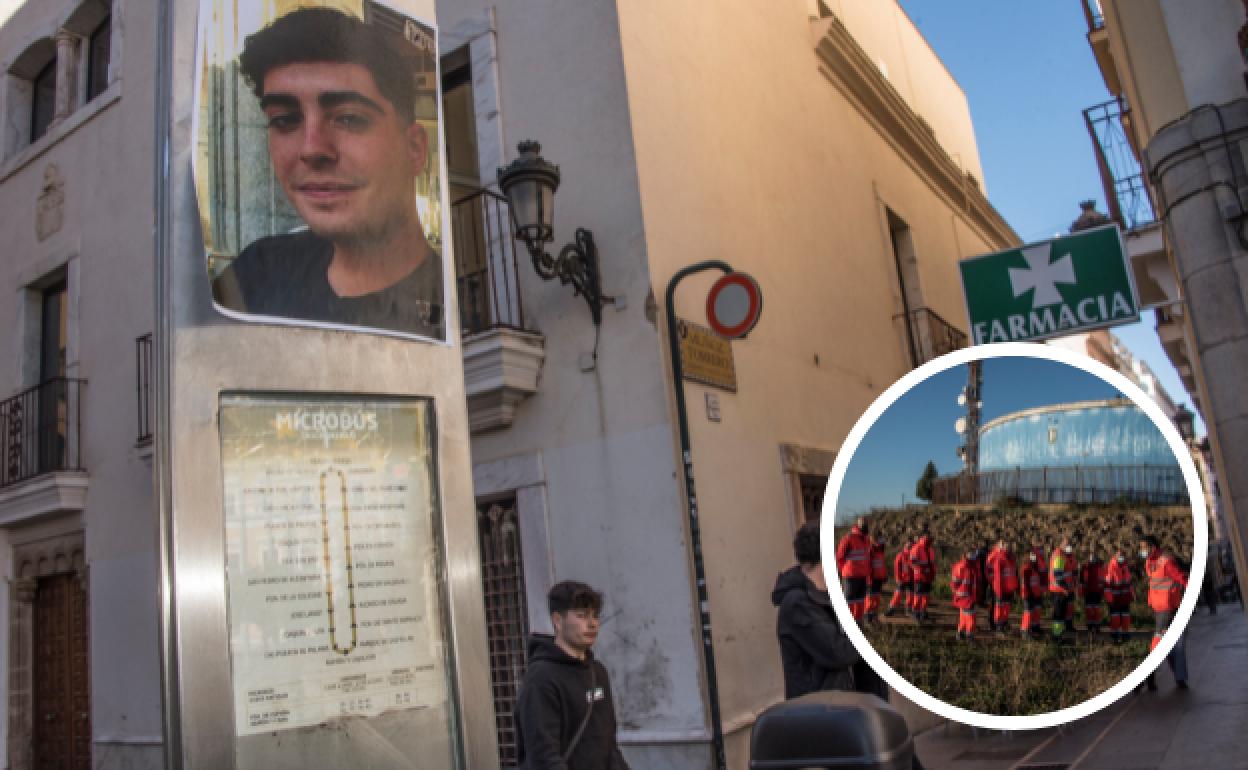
706	357
1051	288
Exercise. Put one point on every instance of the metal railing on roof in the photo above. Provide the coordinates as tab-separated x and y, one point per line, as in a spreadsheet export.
1079	484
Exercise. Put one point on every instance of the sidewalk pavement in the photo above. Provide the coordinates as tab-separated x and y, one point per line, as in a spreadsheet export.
1204	728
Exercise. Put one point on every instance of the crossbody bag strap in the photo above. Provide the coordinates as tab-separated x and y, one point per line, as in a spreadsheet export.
576	738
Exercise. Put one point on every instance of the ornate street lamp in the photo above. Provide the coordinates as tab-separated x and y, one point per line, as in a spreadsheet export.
529	184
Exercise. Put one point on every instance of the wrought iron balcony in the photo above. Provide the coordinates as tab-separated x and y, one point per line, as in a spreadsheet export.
502	361
1109	125
485	263
40	430
930	336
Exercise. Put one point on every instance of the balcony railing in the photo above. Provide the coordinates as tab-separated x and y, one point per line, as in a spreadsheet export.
1125	192
930	336
40	429
1092	12
1144	484
485	263
143	384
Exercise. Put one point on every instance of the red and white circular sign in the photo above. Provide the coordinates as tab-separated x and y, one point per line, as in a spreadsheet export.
733	305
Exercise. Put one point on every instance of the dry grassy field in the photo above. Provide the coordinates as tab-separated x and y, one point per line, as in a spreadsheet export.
1003	673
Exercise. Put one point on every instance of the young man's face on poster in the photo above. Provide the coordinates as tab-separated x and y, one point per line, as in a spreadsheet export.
344	157
314	207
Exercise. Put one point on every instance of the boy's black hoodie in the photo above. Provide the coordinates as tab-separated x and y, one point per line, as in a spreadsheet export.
814	650
554	694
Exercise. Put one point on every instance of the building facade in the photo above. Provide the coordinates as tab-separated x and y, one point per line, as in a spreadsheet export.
77	514
1169	146
821	147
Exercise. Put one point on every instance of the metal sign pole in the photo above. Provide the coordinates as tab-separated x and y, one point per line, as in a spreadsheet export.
691	498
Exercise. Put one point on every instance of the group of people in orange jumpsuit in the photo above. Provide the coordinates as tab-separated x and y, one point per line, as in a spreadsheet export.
992	577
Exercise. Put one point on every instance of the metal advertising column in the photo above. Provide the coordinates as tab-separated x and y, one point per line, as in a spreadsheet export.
321	598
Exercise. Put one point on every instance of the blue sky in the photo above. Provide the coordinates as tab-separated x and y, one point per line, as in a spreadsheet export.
918	427
1028	74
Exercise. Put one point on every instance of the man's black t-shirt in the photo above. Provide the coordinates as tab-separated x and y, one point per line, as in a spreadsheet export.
286	276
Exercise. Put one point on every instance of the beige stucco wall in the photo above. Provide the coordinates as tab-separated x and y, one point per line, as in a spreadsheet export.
1170	59
1205	48
768	167
105	154
1146	64
679	142
897	47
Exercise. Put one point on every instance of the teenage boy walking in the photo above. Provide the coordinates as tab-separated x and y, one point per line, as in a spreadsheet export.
565	715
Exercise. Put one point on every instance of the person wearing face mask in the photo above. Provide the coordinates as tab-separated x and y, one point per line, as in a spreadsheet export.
853	559
1119	593
923	563
1003	579
1092	589
1033	596
879	574
964	582
904	576
1063	570
1042	558
1166	583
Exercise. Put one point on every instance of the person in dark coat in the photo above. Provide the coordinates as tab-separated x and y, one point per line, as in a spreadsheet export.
565	715
814	650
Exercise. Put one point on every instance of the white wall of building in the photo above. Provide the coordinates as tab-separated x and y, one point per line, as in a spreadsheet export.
1210	67
900	51
612	514
686	134
104	151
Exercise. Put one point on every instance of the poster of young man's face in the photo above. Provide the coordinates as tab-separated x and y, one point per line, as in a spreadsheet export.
316	168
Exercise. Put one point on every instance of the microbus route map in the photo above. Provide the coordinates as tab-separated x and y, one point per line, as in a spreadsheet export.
332	597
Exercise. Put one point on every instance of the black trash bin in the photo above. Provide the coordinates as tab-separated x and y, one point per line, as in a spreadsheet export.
832	729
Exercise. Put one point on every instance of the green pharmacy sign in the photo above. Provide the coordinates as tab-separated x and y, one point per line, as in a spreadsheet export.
1051	288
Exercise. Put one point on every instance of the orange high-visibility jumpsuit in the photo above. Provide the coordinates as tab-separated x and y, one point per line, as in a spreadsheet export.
904	577
853	561
923	564
1119	593
879	573
964	582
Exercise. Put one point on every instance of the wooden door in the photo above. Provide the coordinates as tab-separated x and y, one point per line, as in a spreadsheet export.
62	707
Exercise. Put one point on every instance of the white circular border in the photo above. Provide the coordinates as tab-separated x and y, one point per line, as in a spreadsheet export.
1124	386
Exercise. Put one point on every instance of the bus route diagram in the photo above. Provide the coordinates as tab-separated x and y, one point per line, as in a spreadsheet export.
331	561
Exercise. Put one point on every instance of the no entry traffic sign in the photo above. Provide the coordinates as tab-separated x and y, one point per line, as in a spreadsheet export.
733	305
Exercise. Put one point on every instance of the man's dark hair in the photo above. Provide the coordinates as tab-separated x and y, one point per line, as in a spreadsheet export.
806	543
325	35
573	595
1151	540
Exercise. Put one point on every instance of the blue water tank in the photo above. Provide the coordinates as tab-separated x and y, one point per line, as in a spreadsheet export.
1086	433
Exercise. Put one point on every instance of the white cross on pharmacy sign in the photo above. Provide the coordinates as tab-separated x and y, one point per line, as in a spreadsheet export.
1050	289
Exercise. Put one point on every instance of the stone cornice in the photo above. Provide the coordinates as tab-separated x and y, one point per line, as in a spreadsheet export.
843	62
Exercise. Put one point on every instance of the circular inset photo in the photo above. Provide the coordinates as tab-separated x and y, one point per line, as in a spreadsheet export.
1014	530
